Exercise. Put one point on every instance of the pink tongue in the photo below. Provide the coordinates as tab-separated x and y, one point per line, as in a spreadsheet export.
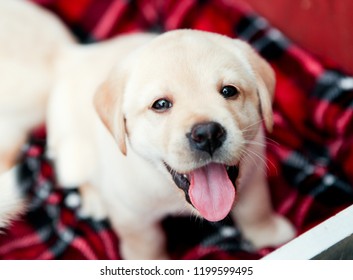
211	192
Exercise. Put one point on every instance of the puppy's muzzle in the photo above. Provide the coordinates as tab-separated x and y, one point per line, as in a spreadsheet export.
207	137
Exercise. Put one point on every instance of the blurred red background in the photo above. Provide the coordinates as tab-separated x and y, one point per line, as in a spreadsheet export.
323	27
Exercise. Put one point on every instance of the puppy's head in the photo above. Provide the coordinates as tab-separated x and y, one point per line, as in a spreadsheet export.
190	102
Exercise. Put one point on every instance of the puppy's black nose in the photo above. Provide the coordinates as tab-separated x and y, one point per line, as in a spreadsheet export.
207	137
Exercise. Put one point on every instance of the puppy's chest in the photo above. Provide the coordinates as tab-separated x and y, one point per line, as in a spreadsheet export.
132	183
138	189
156	191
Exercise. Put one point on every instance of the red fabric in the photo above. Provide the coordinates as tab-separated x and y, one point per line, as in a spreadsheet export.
323	27
309	154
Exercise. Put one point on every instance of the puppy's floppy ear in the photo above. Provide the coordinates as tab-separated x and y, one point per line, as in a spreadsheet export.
108	104
266	80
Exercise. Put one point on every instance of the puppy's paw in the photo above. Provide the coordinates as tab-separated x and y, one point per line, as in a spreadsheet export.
272	232
91	203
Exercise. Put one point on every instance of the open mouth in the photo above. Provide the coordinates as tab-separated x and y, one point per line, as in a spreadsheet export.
210	189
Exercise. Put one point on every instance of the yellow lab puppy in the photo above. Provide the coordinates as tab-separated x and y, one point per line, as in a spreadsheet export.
163	125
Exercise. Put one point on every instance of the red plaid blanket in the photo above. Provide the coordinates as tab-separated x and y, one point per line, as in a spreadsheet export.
310	152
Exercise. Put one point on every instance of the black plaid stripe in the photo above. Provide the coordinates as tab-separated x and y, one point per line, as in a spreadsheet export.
228	238
268	41
330	188
336	88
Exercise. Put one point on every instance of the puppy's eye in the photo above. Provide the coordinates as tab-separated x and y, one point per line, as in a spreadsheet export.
161	105
229	91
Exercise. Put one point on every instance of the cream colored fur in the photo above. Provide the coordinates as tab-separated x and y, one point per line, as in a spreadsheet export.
11	200
104	136
103	132
30	40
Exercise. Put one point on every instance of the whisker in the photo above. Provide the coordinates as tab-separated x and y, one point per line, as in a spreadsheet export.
268	142
253	142
262	158
245	129
272	164
245	153
271	141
